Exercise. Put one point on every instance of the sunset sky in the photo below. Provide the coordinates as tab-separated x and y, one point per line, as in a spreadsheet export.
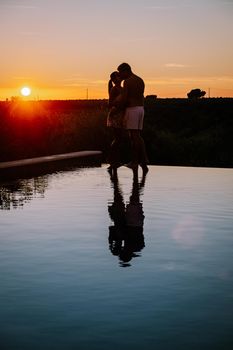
61	48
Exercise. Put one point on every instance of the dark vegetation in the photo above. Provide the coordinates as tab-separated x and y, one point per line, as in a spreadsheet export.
192	132
196	93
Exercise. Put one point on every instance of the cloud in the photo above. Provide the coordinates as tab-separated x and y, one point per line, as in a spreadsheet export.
165	81
189	80
134	40
176	65
142	39
73	79
100	82
160	7
226	78
19	6
29	33
80	82
168	7
21	78
227	3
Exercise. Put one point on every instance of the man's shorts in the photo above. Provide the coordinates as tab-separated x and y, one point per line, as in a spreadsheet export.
133	118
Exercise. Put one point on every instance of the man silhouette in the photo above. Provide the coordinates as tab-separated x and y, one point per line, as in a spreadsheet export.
133	101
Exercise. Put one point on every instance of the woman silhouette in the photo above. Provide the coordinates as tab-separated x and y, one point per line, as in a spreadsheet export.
115	120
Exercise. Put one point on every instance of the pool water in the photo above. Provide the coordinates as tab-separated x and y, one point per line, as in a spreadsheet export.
93	262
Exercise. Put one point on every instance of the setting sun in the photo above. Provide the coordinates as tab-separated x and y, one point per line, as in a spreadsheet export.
25	91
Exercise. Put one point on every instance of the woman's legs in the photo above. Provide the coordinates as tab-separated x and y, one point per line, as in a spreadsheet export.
114	155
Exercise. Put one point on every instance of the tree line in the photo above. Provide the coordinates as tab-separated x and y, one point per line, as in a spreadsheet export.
189	132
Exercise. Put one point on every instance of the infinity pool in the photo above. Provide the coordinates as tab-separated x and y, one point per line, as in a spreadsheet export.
88	262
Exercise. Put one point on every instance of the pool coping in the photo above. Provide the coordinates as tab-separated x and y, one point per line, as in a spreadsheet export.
47	159
30	167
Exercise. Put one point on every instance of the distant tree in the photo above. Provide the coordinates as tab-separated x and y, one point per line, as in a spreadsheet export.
151	98
196	93
15	98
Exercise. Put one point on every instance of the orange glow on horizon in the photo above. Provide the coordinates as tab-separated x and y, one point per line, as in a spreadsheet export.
162	87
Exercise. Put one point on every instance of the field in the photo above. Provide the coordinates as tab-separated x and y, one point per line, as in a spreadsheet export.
176	131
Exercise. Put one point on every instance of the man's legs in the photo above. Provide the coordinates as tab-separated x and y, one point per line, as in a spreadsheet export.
139	156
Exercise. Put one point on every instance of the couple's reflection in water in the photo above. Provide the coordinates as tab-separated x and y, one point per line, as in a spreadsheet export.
126	238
